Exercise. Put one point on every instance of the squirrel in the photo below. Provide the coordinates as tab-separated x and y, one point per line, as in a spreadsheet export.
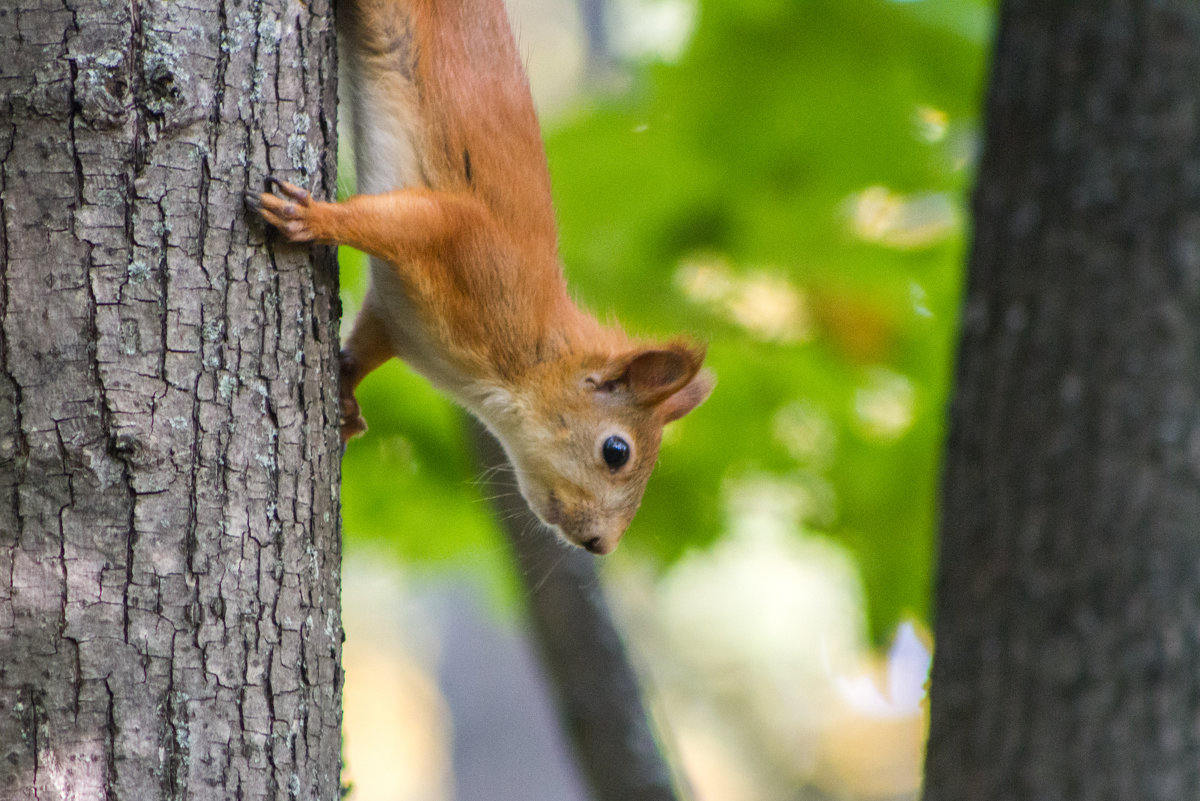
466	284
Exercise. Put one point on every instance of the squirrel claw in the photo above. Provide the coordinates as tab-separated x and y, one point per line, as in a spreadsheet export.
290	191
353	423
352	428
291	211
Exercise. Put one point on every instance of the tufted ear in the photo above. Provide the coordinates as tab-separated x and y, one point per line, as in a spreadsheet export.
691	395
653	375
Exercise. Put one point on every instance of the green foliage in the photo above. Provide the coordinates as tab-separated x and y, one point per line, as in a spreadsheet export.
790	191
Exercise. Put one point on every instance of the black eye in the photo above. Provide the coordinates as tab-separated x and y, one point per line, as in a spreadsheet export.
615	452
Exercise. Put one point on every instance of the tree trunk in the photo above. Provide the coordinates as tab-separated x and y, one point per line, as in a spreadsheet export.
1068	608
598	695
169	456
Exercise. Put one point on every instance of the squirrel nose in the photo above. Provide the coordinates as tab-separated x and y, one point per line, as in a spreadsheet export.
598	546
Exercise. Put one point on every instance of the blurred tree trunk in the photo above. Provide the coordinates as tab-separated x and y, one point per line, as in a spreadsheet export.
169	456
595	30
598	695
1068	608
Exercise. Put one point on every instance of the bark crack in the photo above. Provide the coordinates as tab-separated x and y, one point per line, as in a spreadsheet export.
175	734
21	444
269	747
202	223
164	289
117	451
30	711
12	135
110	744
137	84
76	161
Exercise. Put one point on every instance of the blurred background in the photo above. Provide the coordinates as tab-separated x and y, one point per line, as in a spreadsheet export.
787	180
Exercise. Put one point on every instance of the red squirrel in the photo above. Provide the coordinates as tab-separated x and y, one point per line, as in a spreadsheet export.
466	284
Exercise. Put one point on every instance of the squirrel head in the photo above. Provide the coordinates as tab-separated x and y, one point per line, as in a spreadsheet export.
585	439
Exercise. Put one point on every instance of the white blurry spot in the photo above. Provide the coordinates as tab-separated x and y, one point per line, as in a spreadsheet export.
771	307
874	746
764	303
909	660
907	671
904	222
806	432
920	300
885	407
931	124
706	279
656	29
778	505
764	614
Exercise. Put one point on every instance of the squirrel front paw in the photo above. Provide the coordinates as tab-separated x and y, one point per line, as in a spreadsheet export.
293	214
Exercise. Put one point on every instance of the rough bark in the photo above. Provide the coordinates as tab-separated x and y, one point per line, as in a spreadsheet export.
1068	606
169	457
599	698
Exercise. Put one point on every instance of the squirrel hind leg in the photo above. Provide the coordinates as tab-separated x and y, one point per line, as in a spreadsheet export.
353	423
367	347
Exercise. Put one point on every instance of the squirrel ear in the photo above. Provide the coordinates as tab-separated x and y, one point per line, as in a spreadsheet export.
655	374
693	393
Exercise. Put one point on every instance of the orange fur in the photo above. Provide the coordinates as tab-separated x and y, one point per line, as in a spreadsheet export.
466	283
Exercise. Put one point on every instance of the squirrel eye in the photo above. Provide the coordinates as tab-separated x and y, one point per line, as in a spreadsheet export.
615	452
